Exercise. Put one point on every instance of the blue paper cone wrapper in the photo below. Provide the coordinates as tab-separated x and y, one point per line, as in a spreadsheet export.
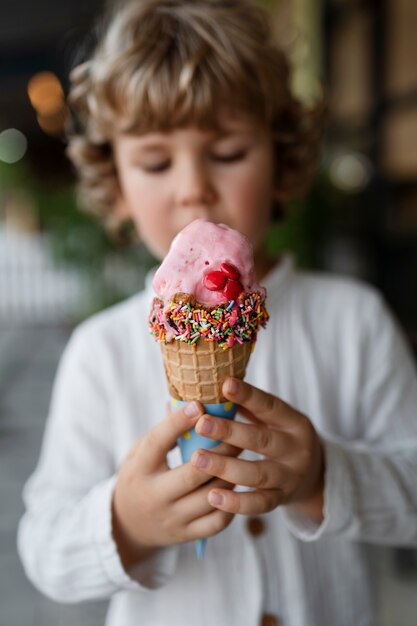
191	441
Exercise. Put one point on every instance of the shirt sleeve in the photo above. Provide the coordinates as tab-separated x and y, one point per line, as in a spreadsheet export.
371	483
65	536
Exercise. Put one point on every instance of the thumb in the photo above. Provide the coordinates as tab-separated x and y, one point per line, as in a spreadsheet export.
163	437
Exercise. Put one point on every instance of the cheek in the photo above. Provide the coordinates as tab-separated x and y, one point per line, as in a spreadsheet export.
152	228
147	208
154	236
252	203
253	196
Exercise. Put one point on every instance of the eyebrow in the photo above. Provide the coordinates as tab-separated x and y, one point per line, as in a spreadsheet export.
150	147
160	141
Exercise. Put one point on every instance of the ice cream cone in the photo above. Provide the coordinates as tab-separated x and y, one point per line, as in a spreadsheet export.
198	371
206	316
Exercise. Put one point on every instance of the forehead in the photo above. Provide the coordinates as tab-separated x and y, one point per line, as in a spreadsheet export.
227	124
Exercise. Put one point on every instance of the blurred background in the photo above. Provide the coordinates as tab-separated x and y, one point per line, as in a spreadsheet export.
57	266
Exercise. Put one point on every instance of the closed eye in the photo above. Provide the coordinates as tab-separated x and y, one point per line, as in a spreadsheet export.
230	158
155	168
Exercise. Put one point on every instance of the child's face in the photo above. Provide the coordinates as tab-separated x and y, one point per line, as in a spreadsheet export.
169	179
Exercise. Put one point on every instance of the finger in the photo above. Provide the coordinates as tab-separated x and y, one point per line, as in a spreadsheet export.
248	415
259	438
208	525
162	438
180	481
266	407
260	474
246	503
196	503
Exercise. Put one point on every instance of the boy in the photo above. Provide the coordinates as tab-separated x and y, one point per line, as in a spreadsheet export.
186	112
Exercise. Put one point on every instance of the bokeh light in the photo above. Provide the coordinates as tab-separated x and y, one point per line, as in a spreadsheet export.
53	124
13	145
45	93
47	98
351	172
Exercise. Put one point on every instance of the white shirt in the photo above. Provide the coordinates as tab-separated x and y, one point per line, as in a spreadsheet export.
331	350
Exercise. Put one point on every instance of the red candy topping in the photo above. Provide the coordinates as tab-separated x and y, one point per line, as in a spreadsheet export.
214	281
233	289
226	280
230	270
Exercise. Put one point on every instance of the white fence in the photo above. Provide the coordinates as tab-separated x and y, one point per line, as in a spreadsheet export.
32	289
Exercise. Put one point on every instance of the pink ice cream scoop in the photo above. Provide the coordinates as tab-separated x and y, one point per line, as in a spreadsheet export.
212	262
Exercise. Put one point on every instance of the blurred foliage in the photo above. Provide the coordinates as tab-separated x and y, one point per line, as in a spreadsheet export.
15	175
114	271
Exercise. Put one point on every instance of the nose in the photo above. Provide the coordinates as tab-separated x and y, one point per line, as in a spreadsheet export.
195	186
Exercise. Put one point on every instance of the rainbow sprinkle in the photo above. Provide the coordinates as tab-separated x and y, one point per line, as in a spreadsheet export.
234	321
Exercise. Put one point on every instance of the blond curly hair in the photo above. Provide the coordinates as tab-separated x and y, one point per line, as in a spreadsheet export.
161	64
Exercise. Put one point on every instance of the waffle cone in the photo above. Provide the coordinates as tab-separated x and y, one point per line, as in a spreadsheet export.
198	371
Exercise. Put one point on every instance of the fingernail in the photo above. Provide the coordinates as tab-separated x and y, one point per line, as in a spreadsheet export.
232	386
206	427
216	499
202	461
192	409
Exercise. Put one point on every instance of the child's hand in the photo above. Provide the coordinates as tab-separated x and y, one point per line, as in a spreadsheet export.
156	506
292	470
